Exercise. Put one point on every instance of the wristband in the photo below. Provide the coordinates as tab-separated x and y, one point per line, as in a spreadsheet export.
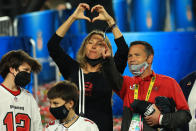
160	118
109	28
112	27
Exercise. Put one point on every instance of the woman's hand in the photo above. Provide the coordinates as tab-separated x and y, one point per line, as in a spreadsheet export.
103	15
79	12
106	52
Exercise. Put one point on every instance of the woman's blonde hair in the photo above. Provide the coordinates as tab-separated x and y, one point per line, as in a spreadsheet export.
81	52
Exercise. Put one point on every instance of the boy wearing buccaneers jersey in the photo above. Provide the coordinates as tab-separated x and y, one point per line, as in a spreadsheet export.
63	98
19	110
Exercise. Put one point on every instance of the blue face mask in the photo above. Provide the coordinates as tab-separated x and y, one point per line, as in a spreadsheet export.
59	112
139	69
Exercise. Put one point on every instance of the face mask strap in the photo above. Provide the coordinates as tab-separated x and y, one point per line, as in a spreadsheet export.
17	70
65	104
147	59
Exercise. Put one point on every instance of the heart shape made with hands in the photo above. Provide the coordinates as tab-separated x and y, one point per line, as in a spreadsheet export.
102	14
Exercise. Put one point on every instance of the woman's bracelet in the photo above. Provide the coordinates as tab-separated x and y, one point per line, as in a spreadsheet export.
112	27
109	29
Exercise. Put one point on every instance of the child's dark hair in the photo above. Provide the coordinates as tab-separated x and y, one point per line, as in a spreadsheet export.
16	58
65	90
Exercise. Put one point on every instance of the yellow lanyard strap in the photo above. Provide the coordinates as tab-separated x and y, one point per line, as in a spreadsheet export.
149	89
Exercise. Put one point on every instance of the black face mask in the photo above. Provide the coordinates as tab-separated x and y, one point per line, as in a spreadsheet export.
59	112
22	78
94	62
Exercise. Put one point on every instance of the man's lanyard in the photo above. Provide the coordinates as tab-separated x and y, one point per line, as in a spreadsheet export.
149	89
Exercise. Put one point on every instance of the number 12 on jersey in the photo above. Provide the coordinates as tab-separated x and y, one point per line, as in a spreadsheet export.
23	122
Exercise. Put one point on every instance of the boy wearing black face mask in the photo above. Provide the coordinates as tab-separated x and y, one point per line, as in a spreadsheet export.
63	98
19	110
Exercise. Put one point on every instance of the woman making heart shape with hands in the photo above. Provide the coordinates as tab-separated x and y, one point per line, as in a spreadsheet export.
96	104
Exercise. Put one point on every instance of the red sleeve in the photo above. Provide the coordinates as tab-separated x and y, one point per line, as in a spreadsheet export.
178	96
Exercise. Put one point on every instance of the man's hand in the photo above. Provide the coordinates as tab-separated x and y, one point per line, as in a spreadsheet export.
79	12
153	119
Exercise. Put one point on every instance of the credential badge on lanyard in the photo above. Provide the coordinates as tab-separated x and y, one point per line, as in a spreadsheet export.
136	123
81	92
